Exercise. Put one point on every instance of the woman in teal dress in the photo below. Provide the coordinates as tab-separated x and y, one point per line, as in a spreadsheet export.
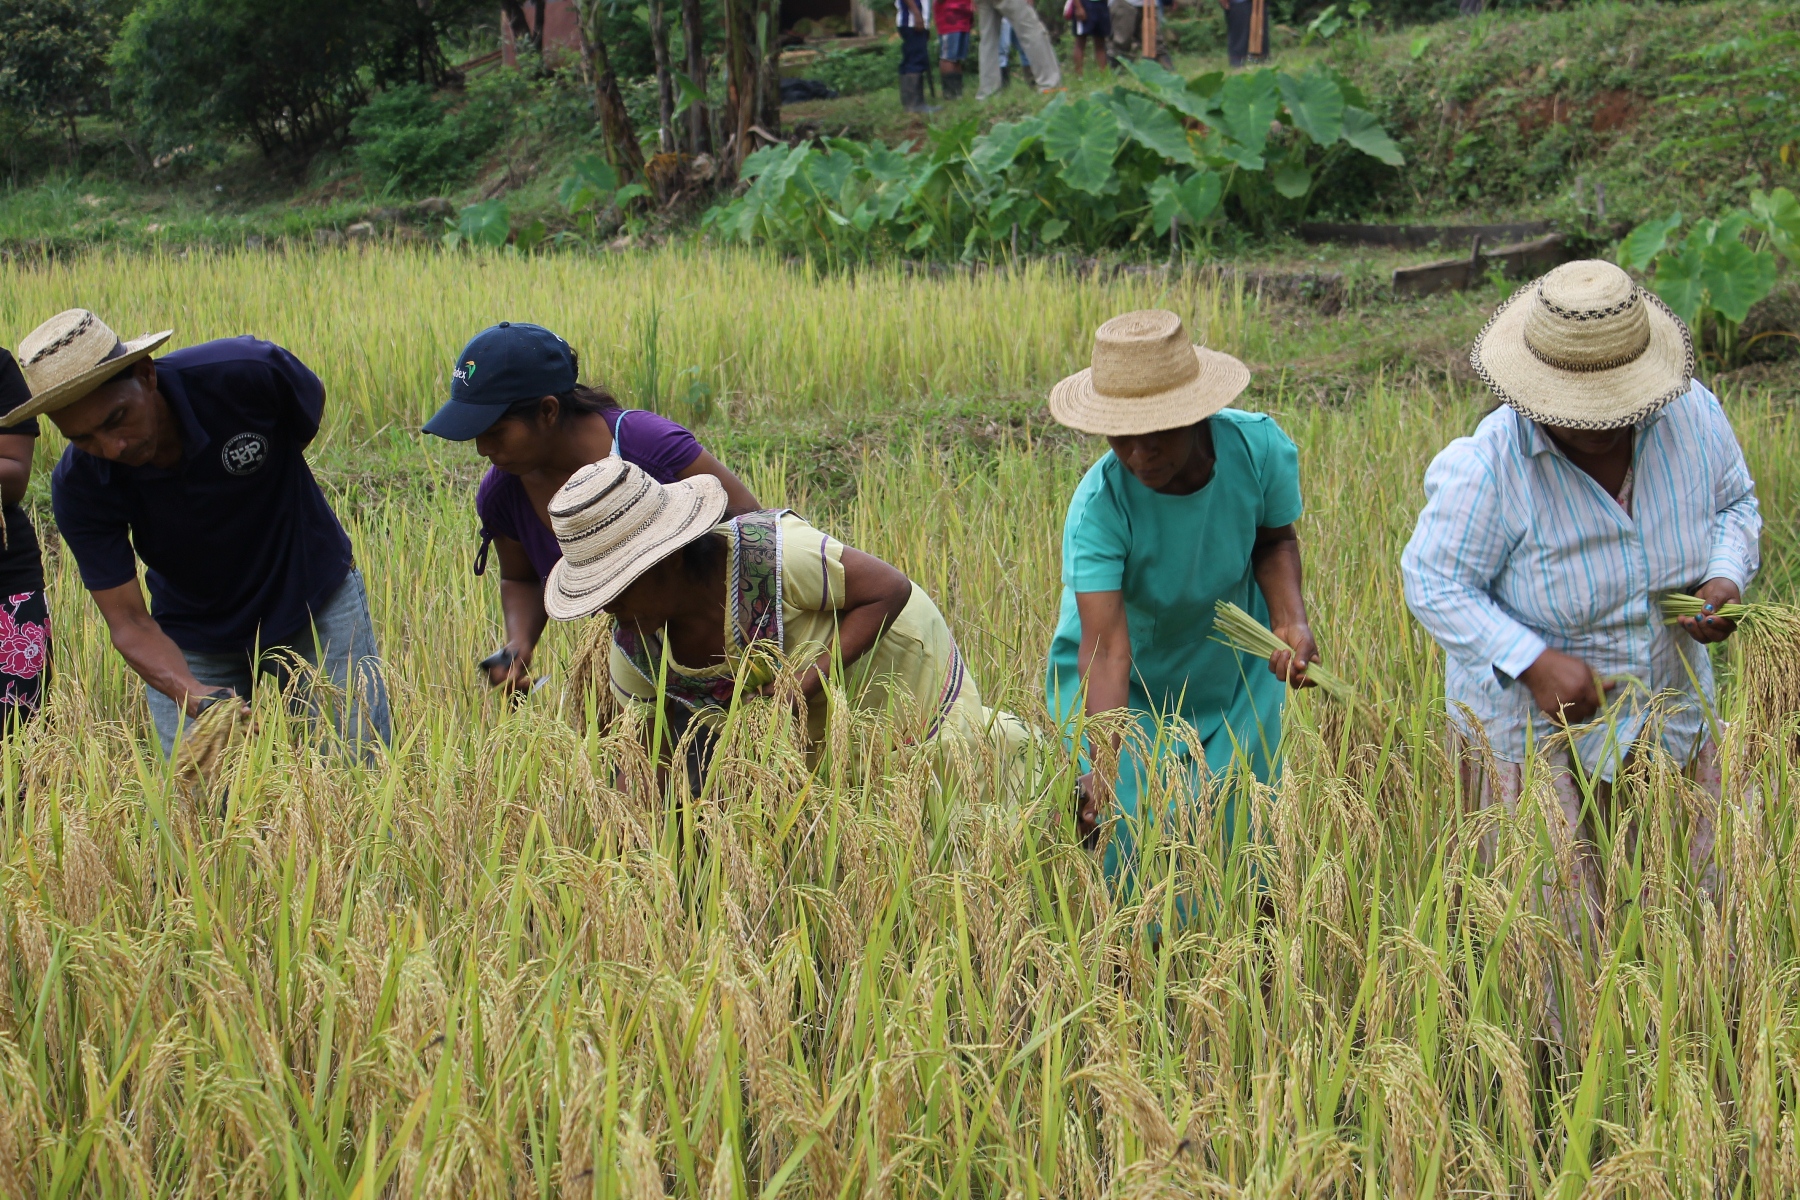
1194	503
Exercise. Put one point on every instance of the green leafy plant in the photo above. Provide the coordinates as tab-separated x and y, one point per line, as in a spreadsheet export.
410	140
1740	102
486	224
1715	275
592	186
1166	158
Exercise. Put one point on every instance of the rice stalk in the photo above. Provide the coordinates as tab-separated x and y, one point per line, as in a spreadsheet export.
1244	633
1765	648
206	738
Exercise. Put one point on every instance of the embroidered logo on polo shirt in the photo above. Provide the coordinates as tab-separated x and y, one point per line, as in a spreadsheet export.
245	453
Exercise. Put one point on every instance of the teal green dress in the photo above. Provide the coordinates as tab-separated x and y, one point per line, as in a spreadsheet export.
1174	557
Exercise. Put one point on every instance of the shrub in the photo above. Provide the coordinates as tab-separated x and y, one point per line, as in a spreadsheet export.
1111	169
409	140
1714	276
287	74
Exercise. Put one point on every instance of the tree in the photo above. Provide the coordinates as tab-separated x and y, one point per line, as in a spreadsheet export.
287	74
53	59
284	73
622	148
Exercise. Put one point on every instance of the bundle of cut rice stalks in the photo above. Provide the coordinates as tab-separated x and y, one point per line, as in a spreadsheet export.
590	669
206	738
1243	632
1766	648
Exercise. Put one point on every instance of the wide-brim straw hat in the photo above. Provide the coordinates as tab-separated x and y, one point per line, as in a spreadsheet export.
614	523
1584	347
1146	376
70	355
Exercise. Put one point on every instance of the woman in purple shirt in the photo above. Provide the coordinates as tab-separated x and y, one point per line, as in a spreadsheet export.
514	393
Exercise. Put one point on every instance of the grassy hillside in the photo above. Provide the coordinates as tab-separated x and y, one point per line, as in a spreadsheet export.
1513	114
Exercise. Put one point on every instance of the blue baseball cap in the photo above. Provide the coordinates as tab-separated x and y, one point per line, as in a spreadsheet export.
502	365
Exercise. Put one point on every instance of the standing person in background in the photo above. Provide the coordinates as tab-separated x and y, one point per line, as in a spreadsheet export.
515	393
1034	41
1194	503
955	20
913	19
1091	23
195	463
1246	31
24	612
1126	18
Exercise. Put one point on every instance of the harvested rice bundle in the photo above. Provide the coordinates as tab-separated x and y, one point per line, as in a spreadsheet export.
1243	632
589	669
1766	646
1676	605
207	737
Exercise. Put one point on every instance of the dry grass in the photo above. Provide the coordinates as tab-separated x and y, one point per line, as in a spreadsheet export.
500	963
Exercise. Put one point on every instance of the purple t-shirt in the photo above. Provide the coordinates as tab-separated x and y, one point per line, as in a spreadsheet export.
658	445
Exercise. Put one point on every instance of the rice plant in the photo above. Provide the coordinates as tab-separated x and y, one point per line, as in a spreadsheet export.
505	961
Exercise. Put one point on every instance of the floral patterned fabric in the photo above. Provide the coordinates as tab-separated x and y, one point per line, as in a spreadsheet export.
24	654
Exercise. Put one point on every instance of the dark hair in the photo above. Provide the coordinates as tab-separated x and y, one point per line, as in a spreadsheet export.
577	401
702	557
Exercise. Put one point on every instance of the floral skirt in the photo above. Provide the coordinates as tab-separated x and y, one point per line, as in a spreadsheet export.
24	655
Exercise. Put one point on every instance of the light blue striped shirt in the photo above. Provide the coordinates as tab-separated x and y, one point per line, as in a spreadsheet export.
1518	549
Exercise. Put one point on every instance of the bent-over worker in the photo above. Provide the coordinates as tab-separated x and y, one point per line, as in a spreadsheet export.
1607	477
1195	502
195	463
515	393
727	598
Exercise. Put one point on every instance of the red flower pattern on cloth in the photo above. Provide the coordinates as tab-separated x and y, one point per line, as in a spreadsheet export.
22	643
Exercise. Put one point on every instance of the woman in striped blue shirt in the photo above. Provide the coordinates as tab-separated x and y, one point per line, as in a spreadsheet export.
1607	477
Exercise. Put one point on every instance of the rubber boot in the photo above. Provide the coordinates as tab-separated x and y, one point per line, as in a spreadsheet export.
912	94
1005	77
953	83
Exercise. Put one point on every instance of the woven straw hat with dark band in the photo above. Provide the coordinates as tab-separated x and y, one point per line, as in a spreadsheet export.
70	355
1146	376
614	523
1585	348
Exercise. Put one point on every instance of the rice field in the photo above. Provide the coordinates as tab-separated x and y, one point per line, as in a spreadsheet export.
502	963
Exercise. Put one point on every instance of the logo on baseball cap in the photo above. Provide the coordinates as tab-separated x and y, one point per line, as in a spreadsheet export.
502	365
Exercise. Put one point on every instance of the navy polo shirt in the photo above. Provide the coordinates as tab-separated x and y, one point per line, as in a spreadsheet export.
239	544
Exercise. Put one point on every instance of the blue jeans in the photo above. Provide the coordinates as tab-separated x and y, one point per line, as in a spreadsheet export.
340	646
915	55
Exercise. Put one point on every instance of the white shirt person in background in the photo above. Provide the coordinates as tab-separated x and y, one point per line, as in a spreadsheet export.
1607	478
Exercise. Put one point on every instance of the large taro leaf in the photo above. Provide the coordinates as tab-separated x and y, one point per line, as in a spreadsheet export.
886	166
1173	90
1000	146
485	223
765	195
1084	137
1291	179
1680	280
1249	102
1736	277
1363	131
1316	104
1779	214
1194	199
1151	125
1643	244
1220	151
830	175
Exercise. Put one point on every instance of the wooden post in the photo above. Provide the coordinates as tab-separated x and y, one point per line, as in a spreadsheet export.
1149	28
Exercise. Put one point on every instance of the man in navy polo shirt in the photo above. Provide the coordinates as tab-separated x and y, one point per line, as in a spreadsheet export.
195	463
